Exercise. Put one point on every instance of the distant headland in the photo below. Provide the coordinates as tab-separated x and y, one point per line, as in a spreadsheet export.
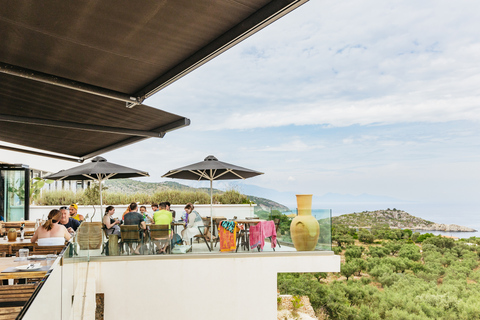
394	218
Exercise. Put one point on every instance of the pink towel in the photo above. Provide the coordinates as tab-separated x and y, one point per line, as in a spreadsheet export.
255	236
269	231
260	231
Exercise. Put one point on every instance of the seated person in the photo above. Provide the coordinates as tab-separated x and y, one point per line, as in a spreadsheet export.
133	218
73	213
69	223
146	217
163	216
168	209
112	225
51	233
193	220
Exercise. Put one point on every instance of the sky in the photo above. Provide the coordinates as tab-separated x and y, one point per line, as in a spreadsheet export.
348	97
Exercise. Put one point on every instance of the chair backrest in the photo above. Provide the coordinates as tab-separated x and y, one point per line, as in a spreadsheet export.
277	224
130	233
48	249
203	231
159	231
89	235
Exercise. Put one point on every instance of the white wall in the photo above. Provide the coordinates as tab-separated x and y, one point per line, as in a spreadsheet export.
225	210
207	286
50	293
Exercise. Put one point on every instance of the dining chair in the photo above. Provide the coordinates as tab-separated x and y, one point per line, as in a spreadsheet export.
203	235
89	235
47	249
160	233
277	225
131	235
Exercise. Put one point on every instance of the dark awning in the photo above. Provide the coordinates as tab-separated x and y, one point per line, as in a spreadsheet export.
81	63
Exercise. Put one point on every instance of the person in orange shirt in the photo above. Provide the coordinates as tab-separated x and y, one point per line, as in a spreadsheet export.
74	214
126	211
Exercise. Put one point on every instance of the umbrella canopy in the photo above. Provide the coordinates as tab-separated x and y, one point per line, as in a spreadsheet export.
98	170
211	169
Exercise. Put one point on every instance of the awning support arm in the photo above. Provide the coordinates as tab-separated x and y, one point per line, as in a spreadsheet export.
80	126
42	154
70	84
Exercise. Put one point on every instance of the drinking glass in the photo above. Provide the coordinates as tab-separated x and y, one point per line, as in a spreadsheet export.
23	254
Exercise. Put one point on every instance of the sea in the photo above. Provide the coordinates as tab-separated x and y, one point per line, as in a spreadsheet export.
462	214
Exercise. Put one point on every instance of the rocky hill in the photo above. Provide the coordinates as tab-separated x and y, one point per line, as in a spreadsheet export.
394	219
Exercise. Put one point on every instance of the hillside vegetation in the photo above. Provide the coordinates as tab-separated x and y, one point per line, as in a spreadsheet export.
394	274
124	191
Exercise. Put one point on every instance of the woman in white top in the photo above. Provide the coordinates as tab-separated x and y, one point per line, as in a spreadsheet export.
193	221
51	233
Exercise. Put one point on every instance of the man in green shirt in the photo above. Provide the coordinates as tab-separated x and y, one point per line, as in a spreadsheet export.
163	216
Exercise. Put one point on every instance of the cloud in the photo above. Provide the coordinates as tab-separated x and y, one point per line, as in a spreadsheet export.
326	64
295	145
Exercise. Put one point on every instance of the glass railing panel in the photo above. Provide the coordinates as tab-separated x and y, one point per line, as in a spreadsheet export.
284	219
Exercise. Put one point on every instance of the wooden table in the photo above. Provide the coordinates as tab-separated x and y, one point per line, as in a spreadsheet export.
29	227
12	247
9	262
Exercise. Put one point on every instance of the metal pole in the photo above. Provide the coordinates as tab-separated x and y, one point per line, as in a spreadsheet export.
211	213
101	199
70	84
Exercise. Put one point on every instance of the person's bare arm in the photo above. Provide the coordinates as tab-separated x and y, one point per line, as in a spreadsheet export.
143	225
106	222
67	235
34	238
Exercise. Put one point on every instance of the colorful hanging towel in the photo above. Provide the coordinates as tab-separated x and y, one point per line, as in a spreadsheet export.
227	231
255	236
260	231
269	230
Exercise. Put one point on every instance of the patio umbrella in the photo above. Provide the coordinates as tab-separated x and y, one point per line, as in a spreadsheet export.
211	169
97	170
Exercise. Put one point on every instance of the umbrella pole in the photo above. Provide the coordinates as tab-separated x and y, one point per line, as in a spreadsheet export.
101	199
211	215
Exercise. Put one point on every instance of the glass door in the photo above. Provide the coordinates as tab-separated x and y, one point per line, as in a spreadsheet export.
14	194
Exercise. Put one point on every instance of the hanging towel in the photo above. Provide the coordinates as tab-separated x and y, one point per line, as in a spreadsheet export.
227	231
256	236
269	231
260	231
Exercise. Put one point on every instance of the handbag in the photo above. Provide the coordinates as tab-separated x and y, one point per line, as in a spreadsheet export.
181	248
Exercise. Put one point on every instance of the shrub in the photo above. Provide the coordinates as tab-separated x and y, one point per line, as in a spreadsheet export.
410	251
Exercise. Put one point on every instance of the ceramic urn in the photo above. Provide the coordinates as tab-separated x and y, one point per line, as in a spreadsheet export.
304	228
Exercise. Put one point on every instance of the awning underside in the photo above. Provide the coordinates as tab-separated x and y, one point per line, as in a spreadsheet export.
63	106
128	49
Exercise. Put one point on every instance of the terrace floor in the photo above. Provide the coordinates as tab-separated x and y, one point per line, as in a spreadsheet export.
201	248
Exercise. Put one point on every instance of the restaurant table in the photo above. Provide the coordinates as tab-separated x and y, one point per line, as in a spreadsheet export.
12	247
29	227
9	263
176	224
216	221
